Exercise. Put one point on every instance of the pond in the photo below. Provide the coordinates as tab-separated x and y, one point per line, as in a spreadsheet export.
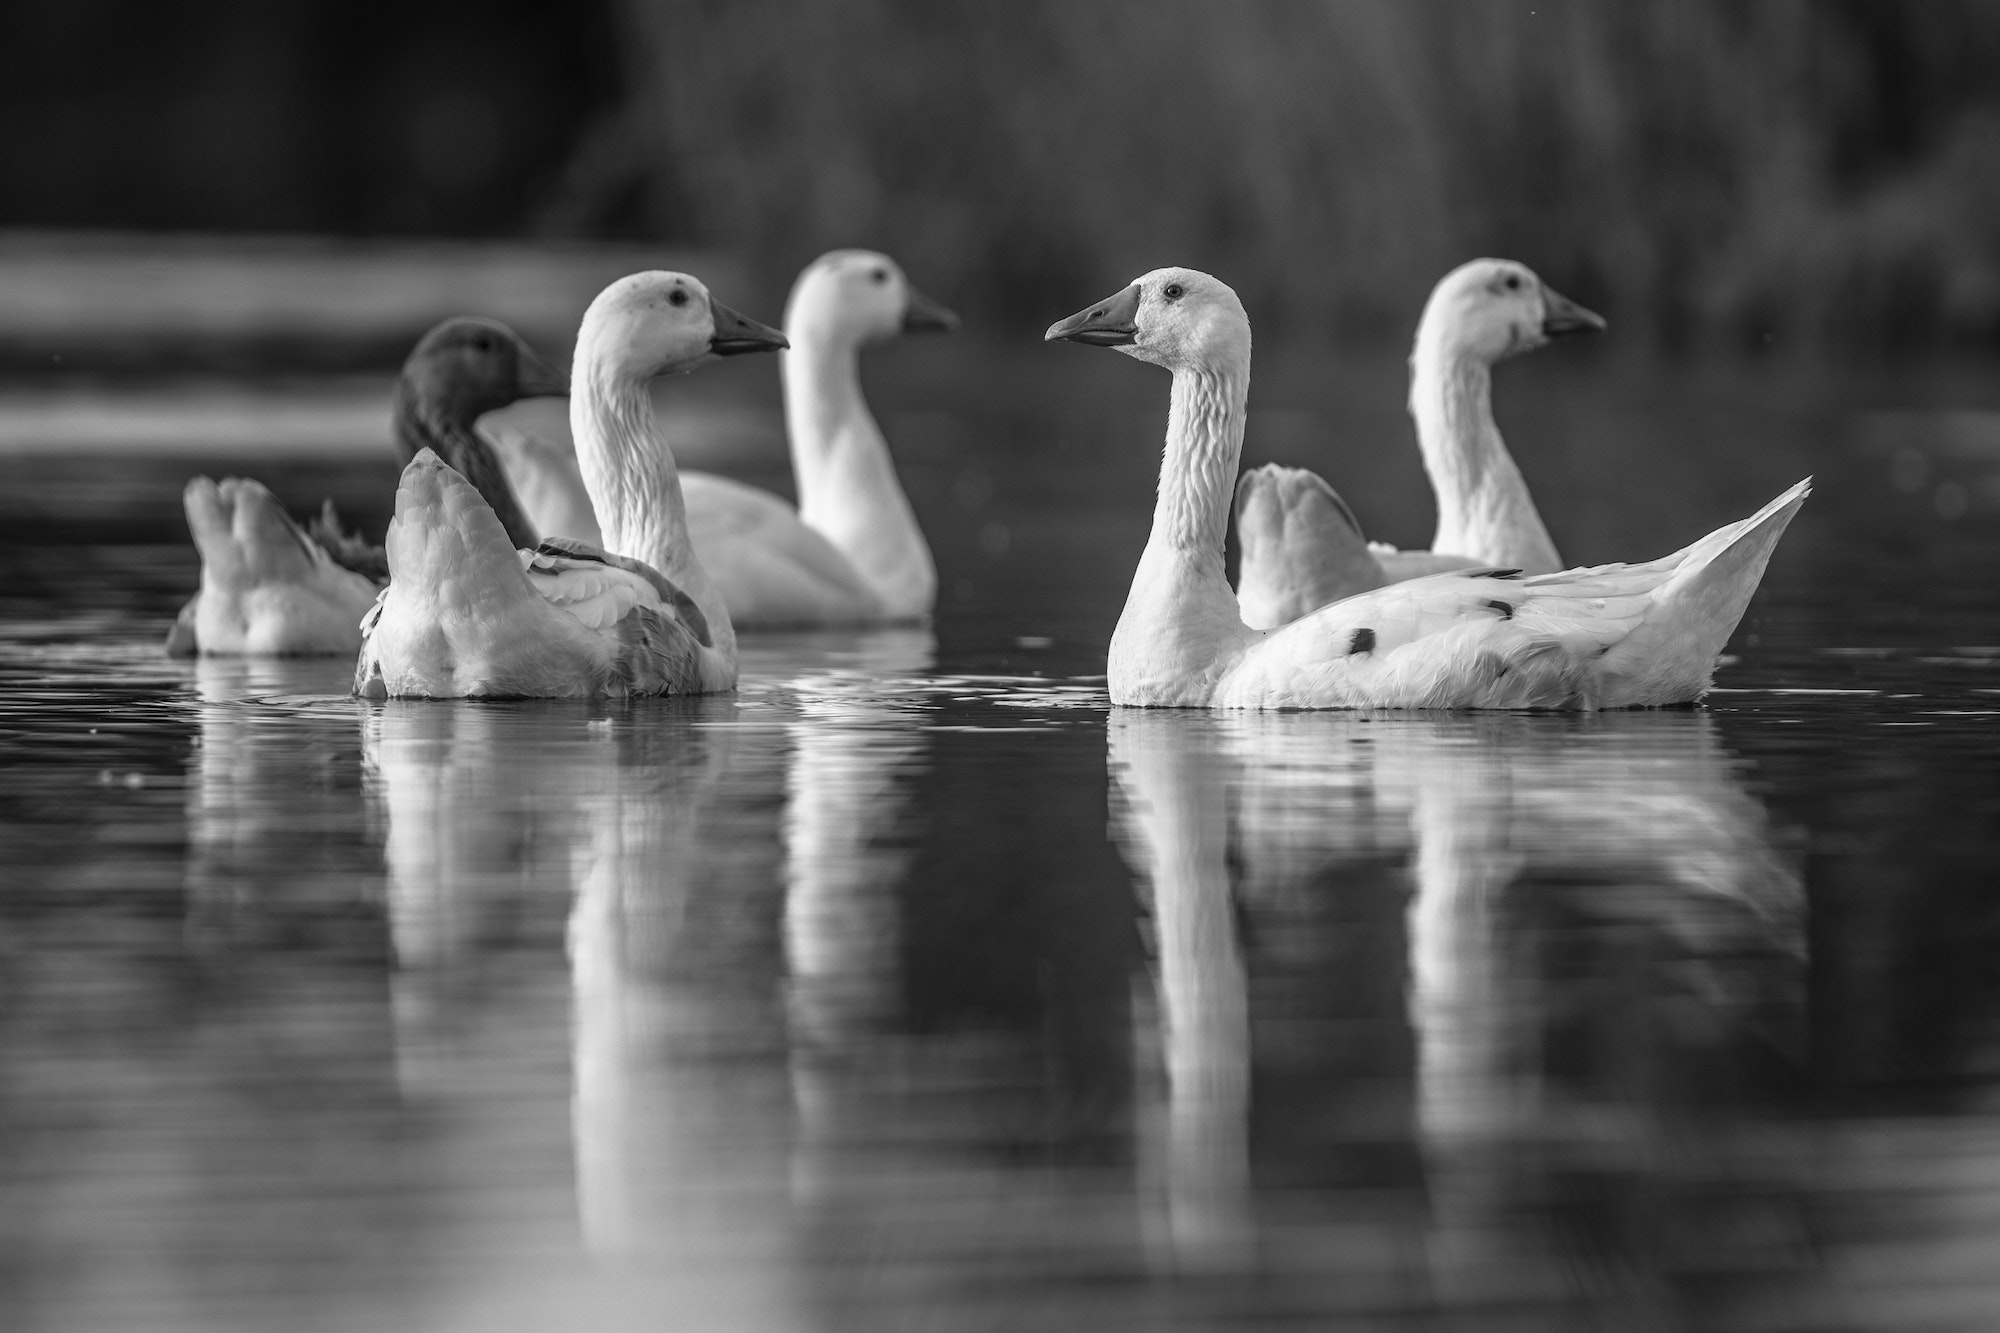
914	986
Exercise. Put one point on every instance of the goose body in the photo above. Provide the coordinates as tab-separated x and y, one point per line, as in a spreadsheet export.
1605	637
1480	313
467	614
272	588
850	552
546	480
267	589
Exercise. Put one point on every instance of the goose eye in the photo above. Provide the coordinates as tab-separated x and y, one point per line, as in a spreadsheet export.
880	275
482	345
1174	291
678	296
1513	283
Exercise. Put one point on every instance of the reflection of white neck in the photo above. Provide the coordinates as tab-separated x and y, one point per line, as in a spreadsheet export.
847	481
634	485
1457	1007
1181	619
847	790
1484	510
1177	818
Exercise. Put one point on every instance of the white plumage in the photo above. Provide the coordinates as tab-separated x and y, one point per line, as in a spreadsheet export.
1605	637
1299	540
267	589
466	615
851	552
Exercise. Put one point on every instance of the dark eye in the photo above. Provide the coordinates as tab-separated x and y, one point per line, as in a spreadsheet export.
1174	291
1513	283
678	296
482	344
880	275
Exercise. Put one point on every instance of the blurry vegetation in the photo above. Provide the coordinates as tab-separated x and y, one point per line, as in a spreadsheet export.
1706	171
1823	171
355	117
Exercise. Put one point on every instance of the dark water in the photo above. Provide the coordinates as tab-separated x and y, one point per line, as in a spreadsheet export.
913	987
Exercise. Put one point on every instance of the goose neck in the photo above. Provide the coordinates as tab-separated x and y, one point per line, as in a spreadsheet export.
1181	627
1484	509
1205	418
825	413
421	425
1451	399
627	468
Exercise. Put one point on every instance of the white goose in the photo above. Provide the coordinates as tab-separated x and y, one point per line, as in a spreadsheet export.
851	553
466	615
1479	313
1608	637
267	589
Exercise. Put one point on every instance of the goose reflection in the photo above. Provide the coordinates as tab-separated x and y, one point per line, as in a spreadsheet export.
267	827
642	837
721	942
1173	823
483	807
1617	857
856	753
856	750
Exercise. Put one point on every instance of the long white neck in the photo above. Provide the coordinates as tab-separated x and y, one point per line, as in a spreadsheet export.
635	487
1484	510
1181	622
847	481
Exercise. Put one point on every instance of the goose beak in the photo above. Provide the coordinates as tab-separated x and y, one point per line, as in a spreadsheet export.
1109	323
736	334
1561	315
536	377
923	315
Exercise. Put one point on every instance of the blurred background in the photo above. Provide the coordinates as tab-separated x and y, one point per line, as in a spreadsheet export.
1710	171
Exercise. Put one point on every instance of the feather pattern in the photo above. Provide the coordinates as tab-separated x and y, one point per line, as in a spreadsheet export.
1299	553
1301	546
466	615
266	588
1609	636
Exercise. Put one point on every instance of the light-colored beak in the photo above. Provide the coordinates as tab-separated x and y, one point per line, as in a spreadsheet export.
1109	323
1561	315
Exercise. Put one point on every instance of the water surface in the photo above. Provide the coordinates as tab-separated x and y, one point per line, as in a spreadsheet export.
913	986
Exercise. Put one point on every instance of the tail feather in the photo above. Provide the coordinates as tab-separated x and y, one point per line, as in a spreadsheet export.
349	550
445	538
1301	546
1732	558
1702	600
245	536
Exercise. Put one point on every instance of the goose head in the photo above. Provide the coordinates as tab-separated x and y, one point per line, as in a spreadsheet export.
857	297
1492	309
466	367
1179	318
659	323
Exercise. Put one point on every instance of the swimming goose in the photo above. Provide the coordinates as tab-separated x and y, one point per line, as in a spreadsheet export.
459	371
267	590
268	586
1481	312
462	369
1605	637
851	553
465	614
